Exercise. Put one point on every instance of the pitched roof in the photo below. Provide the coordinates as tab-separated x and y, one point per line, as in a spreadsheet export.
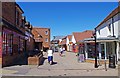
19	8
40	30
37	35
82	35
69	37
58	37
113	13
63	42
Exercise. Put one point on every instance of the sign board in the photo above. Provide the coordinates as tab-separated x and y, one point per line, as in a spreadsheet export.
81	58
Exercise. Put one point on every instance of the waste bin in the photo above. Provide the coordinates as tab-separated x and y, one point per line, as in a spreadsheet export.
112	61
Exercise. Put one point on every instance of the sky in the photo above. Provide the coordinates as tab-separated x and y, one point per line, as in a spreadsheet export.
63	18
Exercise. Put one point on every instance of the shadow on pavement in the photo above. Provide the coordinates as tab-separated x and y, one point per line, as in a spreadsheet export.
54	63
20	61
44	58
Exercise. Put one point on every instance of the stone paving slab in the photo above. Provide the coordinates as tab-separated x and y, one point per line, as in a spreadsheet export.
64	66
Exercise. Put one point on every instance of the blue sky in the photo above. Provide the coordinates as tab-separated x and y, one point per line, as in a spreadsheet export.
65	18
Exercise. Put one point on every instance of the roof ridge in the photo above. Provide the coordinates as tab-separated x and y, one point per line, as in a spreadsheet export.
41	28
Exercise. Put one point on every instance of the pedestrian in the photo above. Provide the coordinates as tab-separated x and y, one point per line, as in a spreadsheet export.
50	56
63	48
61	51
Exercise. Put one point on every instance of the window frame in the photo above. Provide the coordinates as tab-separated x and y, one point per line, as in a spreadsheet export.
46	39
46	32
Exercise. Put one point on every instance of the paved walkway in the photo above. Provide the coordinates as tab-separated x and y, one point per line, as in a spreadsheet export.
63	66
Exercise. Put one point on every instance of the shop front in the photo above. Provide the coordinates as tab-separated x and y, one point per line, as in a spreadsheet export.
12	45
105	48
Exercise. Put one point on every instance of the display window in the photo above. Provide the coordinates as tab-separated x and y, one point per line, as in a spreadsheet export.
7	40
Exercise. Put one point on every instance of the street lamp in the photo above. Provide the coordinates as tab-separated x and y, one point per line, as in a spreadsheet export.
96	66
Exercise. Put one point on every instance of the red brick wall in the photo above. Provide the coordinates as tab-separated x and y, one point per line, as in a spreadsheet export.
41	31
8	12
30	44
20	20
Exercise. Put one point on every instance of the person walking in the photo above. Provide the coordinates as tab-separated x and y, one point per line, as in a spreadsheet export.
61	51
50	56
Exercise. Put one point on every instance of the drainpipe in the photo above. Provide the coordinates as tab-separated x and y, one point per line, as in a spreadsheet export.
113	27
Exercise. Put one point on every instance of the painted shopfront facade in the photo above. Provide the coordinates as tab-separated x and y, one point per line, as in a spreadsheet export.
107	35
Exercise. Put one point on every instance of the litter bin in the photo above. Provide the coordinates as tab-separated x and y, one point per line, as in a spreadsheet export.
112	61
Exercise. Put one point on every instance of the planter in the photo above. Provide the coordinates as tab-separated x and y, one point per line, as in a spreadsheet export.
35	60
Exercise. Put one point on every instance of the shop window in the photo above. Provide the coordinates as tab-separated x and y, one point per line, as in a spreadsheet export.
20	44
7	43
4	44
10	42
91	50
102	51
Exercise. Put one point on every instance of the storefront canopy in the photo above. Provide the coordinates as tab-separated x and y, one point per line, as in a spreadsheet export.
101	39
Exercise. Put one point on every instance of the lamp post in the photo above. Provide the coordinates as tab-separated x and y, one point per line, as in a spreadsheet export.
96	66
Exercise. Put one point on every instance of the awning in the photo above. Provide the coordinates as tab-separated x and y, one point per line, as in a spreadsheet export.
101	39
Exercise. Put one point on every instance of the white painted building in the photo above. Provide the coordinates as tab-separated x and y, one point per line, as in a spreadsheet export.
73	39
108	35
69	42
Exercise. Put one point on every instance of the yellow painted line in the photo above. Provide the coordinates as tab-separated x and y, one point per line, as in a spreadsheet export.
4	71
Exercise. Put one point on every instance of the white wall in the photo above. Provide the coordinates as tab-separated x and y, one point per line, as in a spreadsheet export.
73	39
104	30
67	40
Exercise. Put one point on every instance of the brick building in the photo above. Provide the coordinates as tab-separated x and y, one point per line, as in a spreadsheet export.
13	33
42	38
38	40
29	39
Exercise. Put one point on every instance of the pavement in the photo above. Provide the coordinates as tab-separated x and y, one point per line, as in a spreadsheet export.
63	66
